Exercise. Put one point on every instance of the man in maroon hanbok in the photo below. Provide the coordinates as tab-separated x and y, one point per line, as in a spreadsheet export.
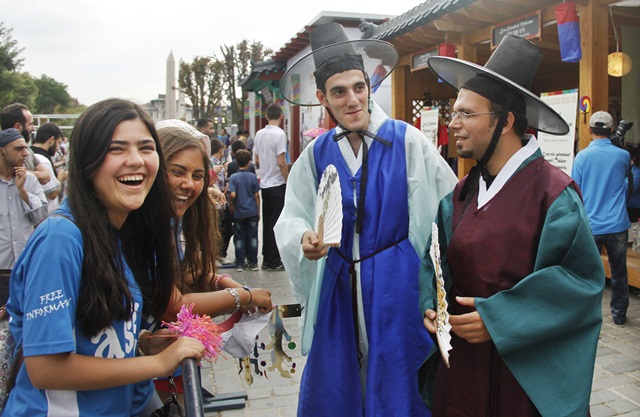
522	273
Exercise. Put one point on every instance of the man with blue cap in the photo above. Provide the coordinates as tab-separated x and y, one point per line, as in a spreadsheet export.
522	273
22	204
363	308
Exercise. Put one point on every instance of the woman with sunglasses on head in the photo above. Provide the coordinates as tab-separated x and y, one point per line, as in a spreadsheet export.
198	236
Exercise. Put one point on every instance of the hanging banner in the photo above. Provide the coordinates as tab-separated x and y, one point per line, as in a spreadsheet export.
257	108
429	124
247	110
558	150
295	82
568	32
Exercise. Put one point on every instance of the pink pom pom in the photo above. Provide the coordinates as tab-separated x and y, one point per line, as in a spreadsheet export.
198	327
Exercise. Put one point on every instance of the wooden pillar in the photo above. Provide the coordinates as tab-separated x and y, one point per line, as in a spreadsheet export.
399	96
594	80
468	52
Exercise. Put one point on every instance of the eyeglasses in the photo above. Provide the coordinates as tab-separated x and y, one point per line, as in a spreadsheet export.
463	116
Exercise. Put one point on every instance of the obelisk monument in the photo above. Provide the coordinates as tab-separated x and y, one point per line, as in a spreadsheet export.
170	98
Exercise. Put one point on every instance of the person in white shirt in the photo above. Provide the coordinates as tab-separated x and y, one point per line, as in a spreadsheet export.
270	150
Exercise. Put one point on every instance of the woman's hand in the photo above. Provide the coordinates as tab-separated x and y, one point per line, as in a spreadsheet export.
260	299
217	196
170	358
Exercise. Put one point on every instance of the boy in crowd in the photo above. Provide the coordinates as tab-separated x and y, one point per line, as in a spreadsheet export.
244	203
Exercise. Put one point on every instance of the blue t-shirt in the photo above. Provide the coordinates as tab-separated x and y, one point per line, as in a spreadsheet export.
245	185
44	287
600	170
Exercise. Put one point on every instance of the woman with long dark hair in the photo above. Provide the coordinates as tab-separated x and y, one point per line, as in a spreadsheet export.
92	270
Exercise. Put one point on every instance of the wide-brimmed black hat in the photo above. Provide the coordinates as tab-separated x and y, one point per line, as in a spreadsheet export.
513	66
331	53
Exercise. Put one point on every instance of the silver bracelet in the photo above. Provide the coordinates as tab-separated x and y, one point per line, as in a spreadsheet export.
236	297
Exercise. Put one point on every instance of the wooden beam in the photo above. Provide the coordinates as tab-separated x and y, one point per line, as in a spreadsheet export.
449	26
404	61
406	42
594	82
553	46
453	37
510	8
426	40
604	2
399	96
468	52
484	14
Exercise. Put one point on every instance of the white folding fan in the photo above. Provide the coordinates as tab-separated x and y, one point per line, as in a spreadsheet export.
329	208
443	328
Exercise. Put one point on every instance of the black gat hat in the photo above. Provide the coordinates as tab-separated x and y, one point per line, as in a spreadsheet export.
512	66
331	53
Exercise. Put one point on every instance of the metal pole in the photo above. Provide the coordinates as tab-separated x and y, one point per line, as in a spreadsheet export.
192	390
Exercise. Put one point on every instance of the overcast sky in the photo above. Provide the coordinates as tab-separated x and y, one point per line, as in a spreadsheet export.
119	48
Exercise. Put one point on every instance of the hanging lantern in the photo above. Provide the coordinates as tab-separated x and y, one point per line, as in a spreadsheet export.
619	64
447	49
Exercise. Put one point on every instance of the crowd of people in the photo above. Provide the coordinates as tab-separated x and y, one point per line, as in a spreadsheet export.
107	234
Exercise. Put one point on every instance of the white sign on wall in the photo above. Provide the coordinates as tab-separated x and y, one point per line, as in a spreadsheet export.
429	124
558	150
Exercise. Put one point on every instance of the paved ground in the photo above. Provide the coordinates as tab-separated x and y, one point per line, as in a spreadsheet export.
616	387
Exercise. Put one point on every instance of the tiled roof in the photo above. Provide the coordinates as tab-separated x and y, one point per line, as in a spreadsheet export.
263	68
418	16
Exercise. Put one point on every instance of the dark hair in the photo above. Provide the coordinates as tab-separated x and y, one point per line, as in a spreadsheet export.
243	157
12	114
203	122
46	131
520	122
200	222
601	131
216	145
634	154
273	111
146	239
237	145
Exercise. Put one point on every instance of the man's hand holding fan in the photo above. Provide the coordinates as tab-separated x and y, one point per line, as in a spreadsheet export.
329	208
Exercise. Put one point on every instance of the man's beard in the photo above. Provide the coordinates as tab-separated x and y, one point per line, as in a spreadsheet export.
52	150
25	134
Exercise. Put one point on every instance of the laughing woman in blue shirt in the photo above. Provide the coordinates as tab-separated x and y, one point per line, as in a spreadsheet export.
92	270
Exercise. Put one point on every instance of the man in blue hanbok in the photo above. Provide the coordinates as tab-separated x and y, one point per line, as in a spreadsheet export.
362	326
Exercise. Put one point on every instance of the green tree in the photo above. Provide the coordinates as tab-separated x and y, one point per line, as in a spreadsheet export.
17	86
9	51
237	62
41	95
210	82
52	95
201	82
